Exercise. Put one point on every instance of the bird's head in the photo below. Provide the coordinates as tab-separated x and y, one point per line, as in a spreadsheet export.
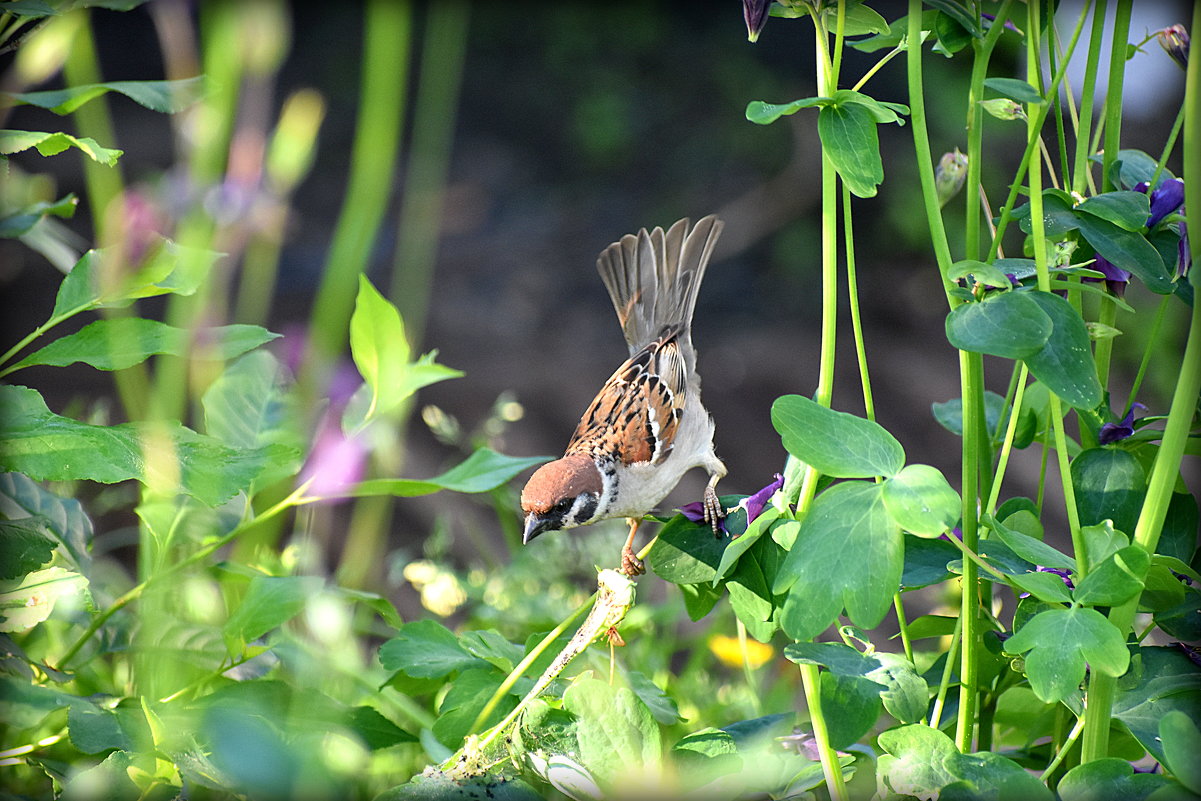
561	494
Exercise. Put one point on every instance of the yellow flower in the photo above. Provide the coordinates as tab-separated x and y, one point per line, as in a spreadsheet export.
729	651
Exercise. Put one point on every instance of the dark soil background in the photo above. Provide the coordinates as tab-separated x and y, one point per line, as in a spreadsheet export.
580	122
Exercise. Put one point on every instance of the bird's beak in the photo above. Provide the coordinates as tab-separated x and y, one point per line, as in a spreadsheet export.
534	525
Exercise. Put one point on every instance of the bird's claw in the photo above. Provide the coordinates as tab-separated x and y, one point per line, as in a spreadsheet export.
713	511
631	565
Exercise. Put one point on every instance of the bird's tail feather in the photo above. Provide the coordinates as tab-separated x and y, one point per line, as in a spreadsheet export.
653	278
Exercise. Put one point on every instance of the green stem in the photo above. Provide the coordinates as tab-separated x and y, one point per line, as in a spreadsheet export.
295	499
748	672
1007	444
1113	91
903	625
982	50
1103	352
1032	142
1063	749
1081	169
944	683
1166	469
434	112
377	136
1152	340
811	681
848	239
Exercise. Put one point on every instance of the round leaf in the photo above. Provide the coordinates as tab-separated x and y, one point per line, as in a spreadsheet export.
921	501
1110	484
835	443
1065	362
849	139
1009	325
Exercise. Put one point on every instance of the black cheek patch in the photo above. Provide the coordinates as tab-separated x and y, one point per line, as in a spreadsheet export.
587	510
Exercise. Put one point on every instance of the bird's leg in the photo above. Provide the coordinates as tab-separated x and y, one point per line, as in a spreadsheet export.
631	565
713	511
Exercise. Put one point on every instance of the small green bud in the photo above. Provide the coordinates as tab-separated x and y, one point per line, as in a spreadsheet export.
949	175
1004	109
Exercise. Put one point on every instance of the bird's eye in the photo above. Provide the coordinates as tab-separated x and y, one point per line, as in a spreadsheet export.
564	506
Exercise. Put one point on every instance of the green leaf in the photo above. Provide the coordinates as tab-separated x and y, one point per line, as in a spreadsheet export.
375	729
1128	250
484	470
47	447
1115	580
51	144
848	136
848	553
1108	777
663	708
882	112
1181	744
1058	216
425	649
23	546
958	13
100	280
928	626
921	501
1014	89
618	737
1031	549
123	342
1132	167
857	20
94	729
270	602
750	588
491	646
21	221
762	113
1110	484
380	350
1065	362
167	97
952	37
1047	587
980	272
1010	325
26	602
835	443
464	701
922	761
769	518
858	703
949	414
903	692
22	497
686	552
1129	210
1059	641
247	407
1161	680
926	561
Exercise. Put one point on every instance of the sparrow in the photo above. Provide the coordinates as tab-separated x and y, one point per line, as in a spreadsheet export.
646	427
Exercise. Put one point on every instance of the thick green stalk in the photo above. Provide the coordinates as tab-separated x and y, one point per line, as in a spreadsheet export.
386	33
970	388
1113	91
1113	133
1081	168
981	54
1032	144
1164	472
434	111
1039	237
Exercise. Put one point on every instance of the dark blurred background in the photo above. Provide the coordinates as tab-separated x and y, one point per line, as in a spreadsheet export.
580	122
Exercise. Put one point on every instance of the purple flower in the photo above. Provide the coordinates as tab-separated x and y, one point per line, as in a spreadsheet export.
753	504
1115	277
1191	651
1008	23
336	463
1066	575
1115	432
1174	40
1165	198
755	12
